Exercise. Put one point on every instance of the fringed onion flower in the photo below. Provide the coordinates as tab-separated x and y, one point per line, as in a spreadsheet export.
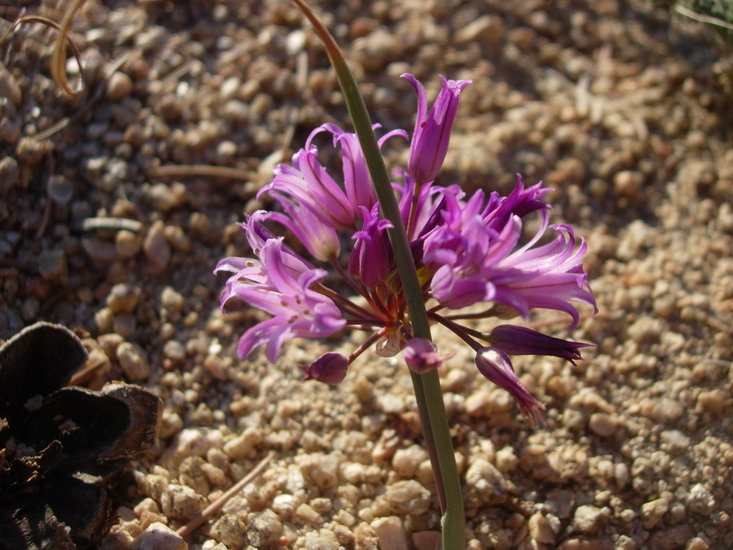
322	262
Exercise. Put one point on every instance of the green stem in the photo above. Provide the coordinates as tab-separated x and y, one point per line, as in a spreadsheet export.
427	386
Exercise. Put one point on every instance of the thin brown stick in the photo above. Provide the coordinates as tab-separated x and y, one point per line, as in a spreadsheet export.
216	506
206	170
700	18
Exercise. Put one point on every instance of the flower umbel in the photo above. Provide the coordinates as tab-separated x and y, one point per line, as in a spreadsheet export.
468	250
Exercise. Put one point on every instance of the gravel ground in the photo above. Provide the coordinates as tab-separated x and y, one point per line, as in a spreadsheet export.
109	227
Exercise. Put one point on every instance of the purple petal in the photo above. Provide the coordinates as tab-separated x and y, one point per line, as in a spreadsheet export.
497	367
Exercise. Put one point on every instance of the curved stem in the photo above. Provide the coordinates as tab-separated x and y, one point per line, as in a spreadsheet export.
427	386
465	333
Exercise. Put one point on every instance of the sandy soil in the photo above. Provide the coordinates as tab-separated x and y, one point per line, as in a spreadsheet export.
623	107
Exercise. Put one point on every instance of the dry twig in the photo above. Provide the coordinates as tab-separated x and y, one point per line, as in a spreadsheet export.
205	170
216	506
700	18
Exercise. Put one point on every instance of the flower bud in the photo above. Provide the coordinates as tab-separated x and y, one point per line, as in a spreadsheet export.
515	340
432	128
495	365
329	368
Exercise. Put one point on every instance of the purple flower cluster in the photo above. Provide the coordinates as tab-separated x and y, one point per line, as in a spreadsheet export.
468	250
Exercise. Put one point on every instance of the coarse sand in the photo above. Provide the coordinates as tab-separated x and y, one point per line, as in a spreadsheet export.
112	224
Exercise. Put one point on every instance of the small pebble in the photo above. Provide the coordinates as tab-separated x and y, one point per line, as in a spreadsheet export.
9	174
177	238
541	530
127	244
284	504
406	461
103	321
122	298
407	497
391	533
628	183
157	250
9	87
181	502
30	151
664	410
244	444
653	511
426	540
158	536
588	519
265	529
321	469
602	424
699	500
306	514
119	86
675	440
321	541
191	442
487	29
52	266
484	481
134	361
174	350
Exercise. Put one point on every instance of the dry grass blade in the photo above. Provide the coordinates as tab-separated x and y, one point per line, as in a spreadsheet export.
703	18
205	170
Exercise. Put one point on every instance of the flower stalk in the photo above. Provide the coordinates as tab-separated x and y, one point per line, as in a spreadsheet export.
428	393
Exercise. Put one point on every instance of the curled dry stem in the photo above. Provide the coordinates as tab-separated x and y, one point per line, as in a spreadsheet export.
58	58
58	61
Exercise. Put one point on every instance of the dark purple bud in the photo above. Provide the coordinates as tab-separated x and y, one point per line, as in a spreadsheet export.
515	340
329	368
497	367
